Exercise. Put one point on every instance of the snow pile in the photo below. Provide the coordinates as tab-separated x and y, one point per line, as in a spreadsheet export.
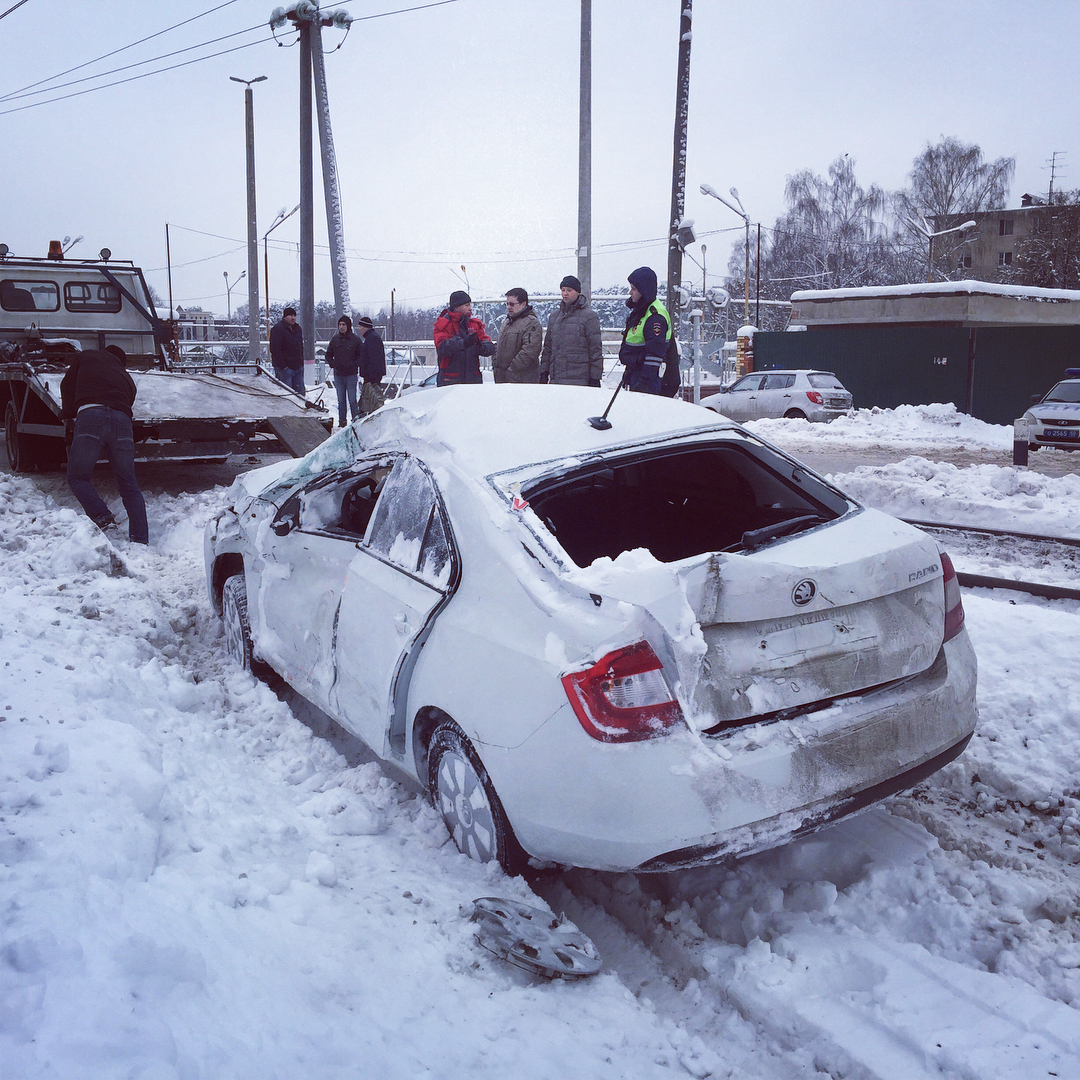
193	885
914	425
977	495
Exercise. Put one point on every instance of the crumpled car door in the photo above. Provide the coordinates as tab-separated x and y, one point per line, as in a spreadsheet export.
397	582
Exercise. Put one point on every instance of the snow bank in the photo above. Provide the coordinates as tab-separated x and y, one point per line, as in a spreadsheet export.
196	886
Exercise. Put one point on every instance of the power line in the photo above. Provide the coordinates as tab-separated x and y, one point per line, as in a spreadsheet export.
13	7
128	67
123	48
133	78
402	11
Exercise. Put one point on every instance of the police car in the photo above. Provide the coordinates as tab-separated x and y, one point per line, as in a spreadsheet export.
1054	418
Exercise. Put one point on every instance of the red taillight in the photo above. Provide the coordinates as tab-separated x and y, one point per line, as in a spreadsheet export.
624	697
954	608
815	397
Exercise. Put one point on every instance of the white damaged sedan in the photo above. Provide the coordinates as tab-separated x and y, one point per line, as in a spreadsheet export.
642	648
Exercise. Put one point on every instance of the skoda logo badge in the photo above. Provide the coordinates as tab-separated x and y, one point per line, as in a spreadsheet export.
803	593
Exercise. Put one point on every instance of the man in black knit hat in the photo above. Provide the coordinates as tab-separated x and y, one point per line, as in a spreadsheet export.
572	352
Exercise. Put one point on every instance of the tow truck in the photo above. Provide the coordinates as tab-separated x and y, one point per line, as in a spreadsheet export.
53	307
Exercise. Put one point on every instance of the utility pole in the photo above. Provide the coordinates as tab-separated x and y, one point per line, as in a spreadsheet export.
584	228
307	208
678	165
254	351
309	21
335	228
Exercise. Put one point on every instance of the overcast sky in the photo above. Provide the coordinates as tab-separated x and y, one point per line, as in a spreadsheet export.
456	128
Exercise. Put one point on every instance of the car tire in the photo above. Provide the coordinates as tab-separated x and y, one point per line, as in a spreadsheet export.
471	810
794	414
1034	445
234	616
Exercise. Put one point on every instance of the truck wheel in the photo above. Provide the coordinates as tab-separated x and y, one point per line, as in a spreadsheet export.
25	453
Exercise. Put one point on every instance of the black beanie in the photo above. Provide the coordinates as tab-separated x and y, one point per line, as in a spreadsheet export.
570	282
346	320
457	298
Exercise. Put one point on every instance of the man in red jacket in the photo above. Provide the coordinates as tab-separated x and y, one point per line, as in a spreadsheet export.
460	341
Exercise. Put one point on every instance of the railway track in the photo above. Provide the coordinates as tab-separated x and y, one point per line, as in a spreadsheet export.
1061	552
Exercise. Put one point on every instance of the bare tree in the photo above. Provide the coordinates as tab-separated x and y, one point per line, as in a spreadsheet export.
948	181
835	234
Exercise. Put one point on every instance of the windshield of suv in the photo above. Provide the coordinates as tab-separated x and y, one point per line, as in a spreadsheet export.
1065	391
678	504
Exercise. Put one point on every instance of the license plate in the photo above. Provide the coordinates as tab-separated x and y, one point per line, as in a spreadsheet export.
1057	433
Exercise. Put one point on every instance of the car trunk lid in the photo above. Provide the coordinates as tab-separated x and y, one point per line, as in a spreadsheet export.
819	615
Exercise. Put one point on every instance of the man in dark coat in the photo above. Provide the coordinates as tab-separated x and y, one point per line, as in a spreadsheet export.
573	353
646	337
343	355
287	350
460	341
97	393
372	366
517	352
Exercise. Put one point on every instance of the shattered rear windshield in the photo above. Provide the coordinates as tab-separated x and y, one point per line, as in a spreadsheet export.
680	504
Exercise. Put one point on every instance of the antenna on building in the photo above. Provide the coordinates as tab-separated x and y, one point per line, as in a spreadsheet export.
1051	164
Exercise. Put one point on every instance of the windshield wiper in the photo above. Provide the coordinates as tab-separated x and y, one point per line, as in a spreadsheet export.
755	538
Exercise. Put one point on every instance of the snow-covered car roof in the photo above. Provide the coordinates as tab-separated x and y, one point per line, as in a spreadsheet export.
492	428
488	428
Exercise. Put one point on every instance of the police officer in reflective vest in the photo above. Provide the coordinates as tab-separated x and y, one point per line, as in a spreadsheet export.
647	334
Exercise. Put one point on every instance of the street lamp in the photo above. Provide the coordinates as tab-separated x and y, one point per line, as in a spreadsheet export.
922	227
281	217
707	190
228	292
252	230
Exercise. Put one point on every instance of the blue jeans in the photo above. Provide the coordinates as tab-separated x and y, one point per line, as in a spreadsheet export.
99	429
292	377
346	390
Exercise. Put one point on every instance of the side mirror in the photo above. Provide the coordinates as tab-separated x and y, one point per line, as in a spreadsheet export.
1036	398
283	526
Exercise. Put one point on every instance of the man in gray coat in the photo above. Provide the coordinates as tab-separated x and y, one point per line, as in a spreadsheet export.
572	353
517	352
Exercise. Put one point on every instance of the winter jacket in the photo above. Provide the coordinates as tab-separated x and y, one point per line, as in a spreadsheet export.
517	352
372	358
96	377
287	345
459	344
572	350
645	339
343	353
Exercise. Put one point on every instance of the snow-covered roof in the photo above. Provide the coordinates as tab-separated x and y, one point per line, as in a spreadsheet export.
952	303
969	287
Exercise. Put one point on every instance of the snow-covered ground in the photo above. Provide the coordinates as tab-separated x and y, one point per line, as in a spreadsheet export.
194	885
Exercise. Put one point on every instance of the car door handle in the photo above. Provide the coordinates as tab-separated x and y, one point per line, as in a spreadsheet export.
401	623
